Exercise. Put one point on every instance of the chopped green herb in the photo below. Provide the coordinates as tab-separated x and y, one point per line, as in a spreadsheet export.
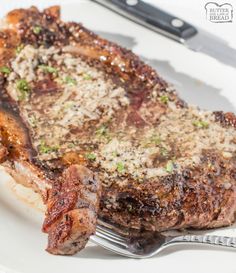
24	89
129	208
48	69
163	151
102	130
69	80
37	29
45	149
19	48
5	70
169	167
114	154
87	76
71	145
155	139
164	99
201	124
91	156
103	133
120	167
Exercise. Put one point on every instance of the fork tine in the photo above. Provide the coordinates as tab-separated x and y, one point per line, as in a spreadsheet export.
113	236
111	227
103	242
110	232
114	239
110	239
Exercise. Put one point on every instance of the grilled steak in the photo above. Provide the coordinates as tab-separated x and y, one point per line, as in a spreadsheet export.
75	106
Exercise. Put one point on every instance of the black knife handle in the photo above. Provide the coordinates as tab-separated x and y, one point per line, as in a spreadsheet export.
160	20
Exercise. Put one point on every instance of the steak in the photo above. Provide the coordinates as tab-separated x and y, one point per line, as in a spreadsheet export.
77	109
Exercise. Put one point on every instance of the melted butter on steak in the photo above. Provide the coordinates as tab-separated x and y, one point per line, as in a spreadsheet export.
81	94
74	107
174	144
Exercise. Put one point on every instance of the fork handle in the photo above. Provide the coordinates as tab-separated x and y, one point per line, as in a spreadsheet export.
205	240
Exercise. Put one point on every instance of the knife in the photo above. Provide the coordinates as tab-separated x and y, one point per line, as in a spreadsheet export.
173	27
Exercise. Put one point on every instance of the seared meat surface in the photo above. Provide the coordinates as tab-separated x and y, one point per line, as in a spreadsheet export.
71	193
75	107
76	207
72	196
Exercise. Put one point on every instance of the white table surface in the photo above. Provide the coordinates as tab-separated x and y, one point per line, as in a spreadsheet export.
198	78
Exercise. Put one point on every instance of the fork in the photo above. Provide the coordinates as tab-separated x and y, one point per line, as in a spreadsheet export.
148	244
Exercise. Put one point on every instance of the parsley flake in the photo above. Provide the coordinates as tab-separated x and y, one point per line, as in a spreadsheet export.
164	151
200	124
71	145
48	69
164	99
120	167
155	139
37	29
91	156
70	81
45	149
129	207
169	167
19	48
5	70
24	89
114	153
102	131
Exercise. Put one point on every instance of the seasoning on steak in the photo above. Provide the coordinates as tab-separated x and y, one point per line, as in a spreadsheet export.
74	105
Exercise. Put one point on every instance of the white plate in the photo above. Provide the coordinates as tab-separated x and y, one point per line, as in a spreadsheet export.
199	79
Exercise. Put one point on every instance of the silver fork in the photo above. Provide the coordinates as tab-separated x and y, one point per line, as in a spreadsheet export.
146	245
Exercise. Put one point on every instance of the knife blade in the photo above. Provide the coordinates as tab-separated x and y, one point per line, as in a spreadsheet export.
174	28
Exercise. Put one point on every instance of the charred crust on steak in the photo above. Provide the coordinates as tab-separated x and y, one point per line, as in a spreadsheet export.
225	119
14	135
72	210
193	198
